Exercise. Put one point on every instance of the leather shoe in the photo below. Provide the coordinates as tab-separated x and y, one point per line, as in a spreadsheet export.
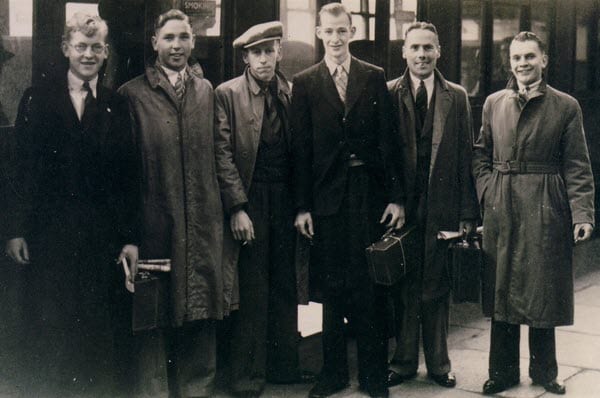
326	388
447	380
554	387
494	386
303	377
395	378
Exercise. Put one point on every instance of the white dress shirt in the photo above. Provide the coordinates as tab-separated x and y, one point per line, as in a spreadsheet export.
429	86
332	66
533	87
78	93
172	74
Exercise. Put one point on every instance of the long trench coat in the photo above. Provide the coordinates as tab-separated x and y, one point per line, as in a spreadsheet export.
451	192
528	215
182	214
239	109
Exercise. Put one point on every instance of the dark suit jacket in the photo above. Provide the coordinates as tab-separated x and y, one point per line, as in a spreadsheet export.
74	180
451	192
325	133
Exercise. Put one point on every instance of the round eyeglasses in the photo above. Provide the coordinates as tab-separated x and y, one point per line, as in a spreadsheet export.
97	48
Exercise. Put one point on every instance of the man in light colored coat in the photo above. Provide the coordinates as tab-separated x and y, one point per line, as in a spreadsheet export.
252	141
172	112
434	124
535	184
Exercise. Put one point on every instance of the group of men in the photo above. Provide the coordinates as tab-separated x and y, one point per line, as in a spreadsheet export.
227	184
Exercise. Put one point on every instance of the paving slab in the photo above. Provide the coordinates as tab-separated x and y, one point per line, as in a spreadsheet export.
584	384
588	296
578	349
587	319
423	388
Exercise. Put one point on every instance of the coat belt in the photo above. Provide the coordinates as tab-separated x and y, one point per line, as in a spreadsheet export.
517	167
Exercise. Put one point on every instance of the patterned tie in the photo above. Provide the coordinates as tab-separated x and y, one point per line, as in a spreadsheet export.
179	87
271	115
524	96
421	102
341	82
89	99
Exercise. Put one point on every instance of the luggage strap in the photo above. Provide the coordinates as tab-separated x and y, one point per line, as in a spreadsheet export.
518	167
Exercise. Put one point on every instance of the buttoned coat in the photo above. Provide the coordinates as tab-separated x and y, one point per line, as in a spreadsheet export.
182	215
325	131
528	217
239	110
451	191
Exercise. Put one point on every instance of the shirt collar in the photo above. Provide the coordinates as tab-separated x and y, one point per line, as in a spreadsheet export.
332	65
415	81
533	87
172	74
76	84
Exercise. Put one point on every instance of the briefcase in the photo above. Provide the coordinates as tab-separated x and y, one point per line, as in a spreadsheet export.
466	261
392	257
150	301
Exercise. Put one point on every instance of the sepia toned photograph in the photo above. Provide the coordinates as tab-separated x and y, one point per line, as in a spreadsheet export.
299	198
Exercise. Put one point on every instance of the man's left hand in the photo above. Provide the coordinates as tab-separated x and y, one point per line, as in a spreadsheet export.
578	235
132	254
396	216
466	226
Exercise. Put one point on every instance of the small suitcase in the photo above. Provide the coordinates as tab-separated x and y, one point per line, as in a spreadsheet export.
392	257
150	301
466	261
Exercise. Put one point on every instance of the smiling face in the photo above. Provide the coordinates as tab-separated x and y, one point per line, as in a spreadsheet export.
421	50
87	63
527	61
262	59
173	44
335	31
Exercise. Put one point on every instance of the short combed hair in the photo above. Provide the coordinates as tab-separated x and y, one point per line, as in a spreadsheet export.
168	16
421	25
530	36
87	24
334	9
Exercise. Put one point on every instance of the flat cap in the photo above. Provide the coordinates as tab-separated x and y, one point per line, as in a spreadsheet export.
259	34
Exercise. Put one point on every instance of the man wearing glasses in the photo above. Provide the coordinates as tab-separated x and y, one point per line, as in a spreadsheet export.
71	213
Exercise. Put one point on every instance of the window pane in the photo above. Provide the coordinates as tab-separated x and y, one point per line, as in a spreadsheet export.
540	19
585	13
84	8
205	16
402	13
16	25
507	14
470	67
298	18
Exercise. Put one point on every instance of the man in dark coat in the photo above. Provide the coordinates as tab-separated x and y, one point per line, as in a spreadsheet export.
77	185
172	111
346	184
253	141
434	123
536	188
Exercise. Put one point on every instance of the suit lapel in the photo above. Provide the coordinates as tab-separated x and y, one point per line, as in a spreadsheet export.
329	91
406	101
356	83
64	106
443	103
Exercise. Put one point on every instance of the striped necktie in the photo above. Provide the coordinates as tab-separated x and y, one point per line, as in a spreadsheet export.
179	87
341	82
421	102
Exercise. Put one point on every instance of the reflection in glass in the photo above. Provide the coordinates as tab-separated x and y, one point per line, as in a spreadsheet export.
84	8
16	25
507	15
402	13
470	67
298	45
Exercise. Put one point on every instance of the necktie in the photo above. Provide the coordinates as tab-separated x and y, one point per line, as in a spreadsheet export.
89	98
271	115
341	81
179	87
524	96
421	102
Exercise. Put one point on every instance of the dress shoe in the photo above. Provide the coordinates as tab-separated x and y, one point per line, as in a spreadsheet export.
447	380
494	386
554	387
395	378
303	377
326	388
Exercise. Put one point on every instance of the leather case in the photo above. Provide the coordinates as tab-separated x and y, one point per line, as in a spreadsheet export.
392	257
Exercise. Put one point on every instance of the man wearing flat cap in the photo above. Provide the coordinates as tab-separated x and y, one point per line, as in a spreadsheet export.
253	166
